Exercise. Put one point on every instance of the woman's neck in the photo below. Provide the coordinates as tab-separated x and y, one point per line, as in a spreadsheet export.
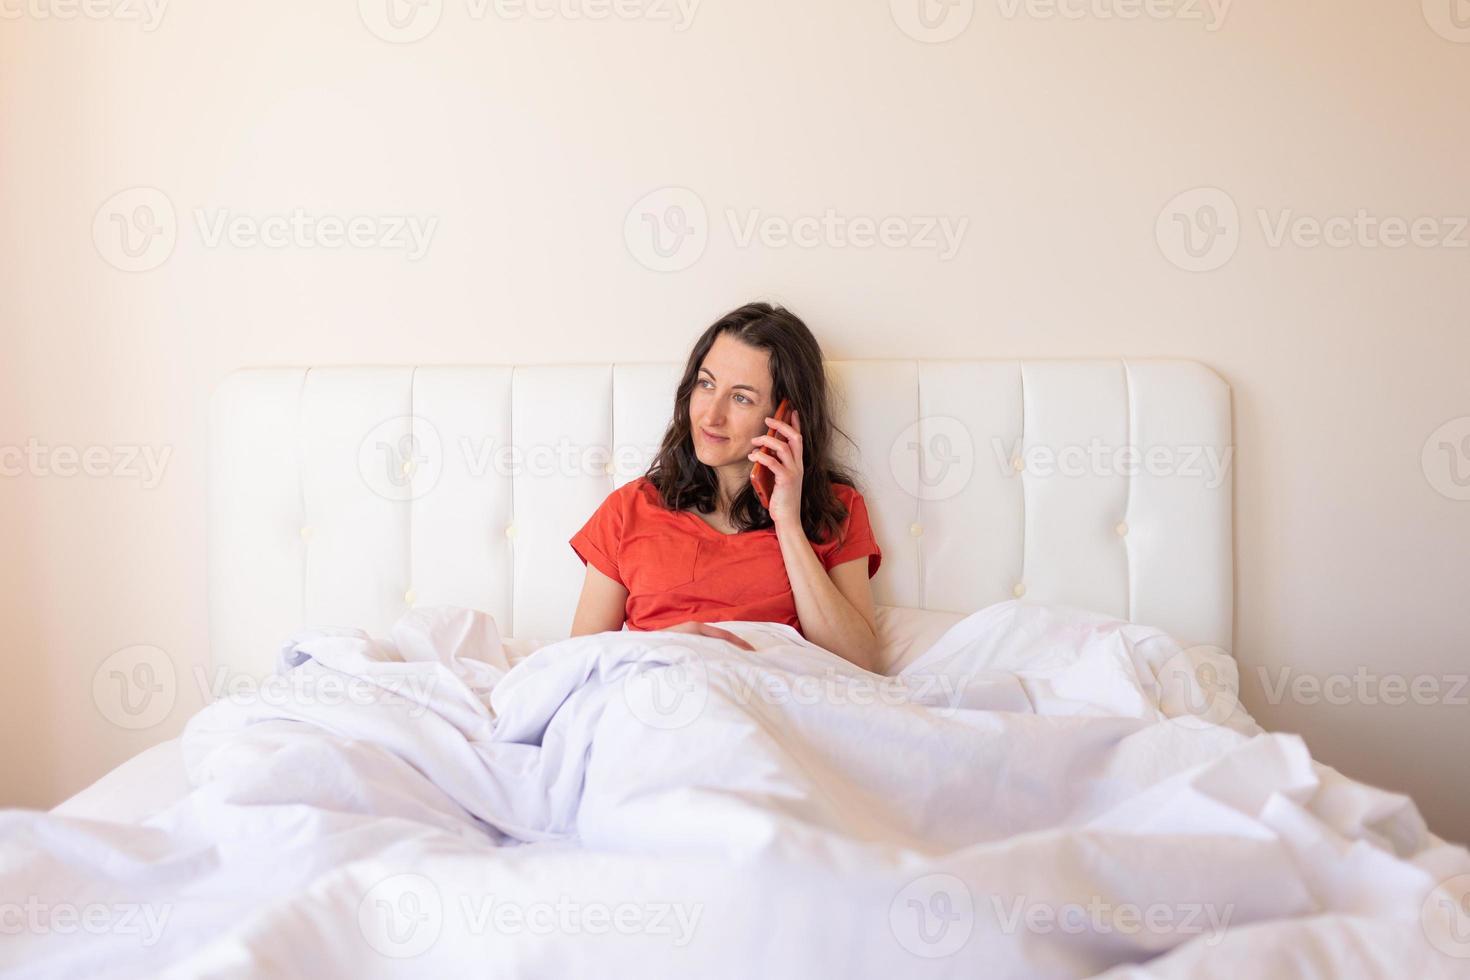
729	481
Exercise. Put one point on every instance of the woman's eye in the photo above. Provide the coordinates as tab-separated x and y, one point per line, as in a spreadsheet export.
742	400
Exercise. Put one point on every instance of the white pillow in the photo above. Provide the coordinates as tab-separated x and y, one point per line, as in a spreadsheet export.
518	649
905	632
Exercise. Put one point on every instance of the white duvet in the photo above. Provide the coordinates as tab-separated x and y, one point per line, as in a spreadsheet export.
1044	793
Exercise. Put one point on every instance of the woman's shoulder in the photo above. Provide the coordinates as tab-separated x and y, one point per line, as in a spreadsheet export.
628	505
853	537
636	493
639	486
847	495
855	508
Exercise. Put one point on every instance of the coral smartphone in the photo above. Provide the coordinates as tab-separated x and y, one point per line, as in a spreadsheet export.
762	478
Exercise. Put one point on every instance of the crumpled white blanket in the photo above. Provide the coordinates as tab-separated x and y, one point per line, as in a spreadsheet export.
1045	792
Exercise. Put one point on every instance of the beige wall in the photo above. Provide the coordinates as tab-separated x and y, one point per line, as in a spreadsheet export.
1060	139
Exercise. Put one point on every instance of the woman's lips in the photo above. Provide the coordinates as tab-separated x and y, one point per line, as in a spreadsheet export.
712	437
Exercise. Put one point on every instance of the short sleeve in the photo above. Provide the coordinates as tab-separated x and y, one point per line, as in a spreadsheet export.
857	538
600	539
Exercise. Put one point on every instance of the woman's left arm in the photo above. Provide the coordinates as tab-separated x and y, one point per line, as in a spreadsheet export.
836	610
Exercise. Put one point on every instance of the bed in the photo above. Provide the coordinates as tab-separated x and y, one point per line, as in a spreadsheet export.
1055	598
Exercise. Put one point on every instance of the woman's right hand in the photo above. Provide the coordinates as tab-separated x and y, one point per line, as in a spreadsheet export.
704	629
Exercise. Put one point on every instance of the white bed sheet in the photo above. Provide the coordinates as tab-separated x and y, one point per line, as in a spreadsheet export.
1040	762
154	779
150	781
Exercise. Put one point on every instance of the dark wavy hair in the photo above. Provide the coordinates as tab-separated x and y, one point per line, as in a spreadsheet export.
797	374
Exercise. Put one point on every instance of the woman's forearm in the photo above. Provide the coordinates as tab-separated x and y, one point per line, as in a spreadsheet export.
827	618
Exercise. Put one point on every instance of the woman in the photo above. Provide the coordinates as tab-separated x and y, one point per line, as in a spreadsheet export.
689	543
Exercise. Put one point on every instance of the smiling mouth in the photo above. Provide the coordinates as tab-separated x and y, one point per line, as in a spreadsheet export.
712	437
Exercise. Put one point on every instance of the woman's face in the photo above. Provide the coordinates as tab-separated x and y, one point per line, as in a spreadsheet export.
731	398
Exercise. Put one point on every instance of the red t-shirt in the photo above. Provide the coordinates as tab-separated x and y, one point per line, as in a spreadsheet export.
678	569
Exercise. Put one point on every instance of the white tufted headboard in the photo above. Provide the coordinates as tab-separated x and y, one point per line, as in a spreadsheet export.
340	495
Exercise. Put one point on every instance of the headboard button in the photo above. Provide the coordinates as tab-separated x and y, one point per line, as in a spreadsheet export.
307	532
1122	528
410	597
510	530
1019	590
917	530
608	469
